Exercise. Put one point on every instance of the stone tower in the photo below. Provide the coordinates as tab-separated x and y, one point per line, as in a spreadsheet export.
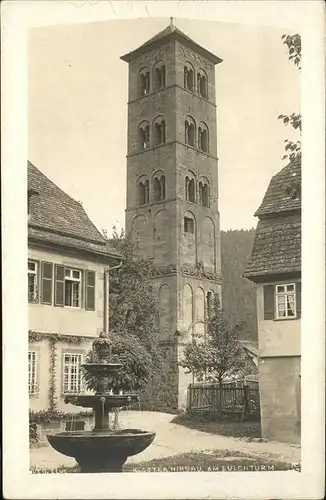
172	187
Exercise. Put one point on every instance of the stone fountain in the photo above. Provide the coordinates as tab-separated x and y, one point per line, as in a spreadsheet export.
102	449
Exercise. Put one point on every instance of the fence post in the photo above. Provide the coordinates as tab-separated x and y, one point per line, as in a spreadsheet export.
246	398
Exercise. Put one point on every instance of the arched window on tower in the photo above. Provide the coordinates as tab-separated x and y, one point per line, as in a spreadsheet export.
202	84
143	136
190	131
189	77
158	131
159	76
204	192
144	82
190	188
159	186
189	223
142	191
203	137
209	304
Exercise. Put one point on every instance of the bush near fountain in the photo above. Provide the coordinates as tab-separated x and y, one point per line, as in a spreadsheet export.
103	449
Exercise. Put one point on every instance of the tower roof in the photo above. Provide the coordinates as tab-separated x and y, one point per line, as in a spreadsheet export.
171	32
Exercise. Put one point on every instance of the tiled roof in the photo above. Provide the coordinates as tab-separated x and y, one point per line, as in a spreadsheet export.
55	217
43	236
277	247
170	31
277	244
280	195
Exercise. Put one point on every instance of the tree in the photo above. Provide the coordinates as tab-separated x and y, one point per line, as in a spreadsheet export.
133	322
292	149
218	354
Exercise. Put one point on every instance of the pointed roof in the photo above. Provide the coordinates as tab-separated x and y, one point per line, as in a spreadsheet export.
171	32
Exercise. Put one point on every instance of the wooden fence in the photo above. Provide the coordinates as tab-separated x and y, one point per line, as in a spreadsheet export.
233	398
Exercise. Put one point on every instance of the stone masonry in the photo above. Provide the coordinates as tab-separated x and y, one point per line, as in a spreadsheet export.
178	227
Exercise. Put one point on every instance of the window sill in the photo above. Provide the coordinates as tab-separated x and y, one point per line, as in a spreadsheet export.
169	143
286	319
167	87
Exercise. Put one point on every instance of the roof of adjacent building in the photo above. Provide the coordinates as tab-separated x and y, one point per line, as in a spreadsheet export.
251	346
56	218
280	194
277	244
171	32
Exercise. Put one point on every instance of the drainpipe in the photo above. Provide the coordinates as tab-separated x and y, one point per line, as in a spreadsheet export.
107	295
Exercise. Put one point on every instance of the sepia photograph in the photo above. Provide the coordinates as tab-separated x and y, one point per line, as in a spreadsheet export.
164	248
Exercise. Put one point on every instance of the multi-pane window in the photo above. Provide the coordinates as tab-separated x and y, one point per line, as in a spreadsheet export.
32	281
72	287
285	301
32	372
72	375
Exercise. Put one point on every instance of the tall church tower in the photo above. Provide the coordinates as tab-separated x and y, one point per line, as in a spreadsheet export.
172	188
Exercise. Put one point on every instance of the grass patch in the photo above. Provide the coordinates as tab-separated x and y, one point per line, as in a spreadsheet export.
208	461
205	461
207	423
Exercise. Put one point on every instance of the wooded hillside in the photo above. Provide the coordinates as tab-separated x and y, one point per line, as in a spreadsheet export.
238	293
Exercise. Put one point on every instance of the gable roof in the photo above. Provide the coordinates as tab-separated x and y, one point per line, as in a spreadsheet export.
171	32
280	194
277	244
55	217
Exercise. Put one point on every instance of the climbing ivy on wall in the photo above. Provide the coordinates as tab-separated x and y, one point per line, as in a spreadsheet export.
53	377
52	413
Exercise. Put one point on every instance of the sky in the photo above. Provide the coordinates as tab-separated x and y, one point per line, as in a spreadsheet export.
77	110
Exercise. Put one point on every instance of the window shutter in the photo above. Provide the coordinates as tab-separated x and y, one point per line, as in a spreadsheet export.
298	298
46	280
269	302
90	290
59	285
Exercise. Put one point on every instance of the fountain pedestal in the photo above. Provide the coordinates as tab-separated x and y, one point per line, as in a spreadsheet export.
102	449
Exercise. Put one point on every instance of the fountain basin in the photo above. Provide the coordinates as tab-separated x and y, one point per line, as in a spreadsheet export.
101	451
92	400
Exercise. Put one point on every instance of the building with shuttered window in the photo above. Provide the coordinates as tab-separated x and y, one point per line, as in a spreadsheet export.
275	266
67	291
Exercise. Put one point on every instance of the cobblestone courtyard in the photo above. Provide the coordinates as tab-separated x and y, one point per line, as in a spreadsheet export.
172	439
